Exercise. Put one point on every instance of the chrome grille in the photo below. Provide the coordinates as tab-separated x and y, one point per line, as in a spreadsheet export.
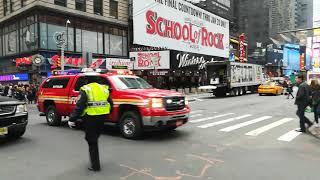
7	109
174	103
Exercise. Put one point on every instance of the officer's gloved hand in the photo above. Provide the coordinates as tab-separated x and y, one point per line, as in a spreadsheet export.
71	124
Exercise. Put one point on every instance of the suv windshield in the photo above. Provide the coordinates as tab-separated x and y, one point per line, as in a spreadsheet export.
130	82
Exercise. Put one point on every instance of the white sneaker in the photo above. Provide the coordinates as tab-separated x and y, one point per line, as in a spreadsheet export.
316	125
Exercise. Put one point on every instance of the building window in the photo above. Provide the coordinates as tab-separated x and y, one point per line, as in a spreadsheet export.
28	35
5	7
97	7
10	39
51	30
115	42
81	5
60	2
11	6
114	8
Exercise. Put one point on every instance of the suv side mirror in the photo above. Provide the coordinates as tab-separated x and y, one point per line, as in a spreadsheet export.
110	89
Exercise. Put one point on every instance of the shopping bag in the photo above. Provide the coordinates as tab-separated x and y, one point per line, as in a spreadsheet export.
309	110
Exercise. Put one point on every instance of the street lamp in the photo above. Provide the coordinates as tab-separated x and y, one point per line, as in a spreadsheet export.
63	45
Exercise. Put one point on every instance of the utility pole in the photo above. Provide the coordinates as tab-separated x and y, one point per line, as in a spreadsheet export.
64	45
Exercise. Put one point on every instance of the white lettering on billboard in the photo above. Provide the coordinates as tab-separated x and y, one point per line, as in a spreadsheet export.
179	25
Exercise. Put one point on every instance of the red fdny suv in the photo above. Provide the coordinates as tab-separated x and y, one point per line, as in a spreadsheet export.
137	106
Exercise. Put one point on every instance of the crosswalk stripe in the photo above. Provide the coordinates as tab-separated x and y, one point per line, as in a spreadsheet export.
268	127
195	112
195	115
209	118
289	136
224	121
247	123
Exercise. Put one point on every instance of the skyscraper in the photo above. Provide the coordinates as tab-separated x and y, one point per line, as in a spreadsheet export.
253	20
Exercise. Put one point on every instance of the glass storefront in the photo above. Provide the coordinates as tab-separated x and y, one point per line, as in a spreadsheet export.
22	36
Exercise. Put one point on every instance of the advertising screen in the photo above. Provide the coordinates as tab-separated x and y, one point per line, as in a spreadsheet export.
291	58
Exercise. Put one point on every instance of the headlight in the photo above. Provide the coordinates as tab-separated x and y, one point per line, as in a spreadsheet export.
21	108
156	102
186	101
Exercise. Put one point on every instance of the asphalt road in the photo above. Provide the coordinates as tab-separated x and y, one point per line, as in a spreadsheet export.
248	137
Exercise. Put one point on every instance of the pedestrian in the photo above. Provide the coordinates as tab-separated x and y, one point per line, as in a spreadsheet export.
93	106
290	89
315	88
303	100
6	90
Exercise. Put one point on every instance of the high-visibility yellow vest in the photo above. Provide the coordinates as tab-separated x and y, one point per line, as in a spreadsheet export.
97	96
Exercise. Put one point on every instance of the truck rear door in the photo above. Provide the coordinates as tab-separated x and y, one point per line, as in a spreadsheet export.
217	74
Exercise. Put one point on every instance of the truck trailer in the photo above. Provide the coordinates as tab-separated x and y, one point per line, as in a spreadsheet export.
233	78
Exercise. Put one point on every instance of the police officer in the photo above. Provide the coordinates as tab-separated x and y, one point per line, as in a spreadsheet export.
93	106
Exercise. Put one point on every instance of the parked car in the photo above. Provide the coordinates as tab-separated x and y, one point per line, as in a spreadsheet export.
13	117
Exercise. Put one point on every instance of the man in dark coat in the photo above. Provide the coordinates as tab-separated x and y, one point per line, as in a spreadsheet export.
303	100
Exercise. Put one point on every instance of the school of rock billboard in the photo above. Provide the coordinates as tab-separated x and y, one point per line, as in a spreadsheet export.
148	60
179	25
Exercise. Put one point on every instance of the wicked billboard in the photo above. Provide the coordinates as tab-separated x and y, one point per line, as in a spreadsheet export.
190	61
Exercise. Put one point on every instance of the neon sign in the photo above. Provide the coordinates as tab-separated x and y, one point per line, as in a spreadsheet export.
14	77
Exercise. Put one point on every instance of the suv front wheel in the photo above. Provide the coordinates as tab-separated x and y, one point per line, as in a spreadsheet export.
17	133
53	119
130	125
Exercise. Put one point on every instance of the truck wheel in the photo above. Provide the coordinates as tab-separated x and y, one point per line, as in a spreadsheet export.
171	128
220	94
240	91
16	133
130	125
53	119
245	91
233	92
237	92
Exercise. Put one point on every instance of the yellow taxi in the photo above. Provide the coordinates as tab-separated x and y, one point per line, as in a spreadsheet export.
270	88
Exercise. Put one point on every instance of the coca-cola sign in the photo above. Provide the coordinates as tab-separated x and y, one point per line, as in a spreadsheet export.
181	26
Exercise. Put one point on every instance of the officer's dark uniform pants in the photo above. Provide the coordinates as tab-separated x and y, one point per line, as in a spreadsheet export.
93	126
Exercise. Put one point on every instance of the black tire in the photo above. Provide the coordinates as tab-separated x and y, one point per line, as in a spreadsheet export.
233	92
237	90
130	125
260	94
53	119
240	91
17	133
244	91
171	128
220	94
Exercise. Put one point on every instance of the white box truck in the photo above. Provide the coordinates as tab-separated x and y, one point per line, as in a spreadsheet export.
233	78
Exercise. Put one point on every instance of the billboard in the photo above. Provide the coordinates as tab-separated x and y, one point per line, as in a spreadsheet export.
145	60
181	26
291	58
